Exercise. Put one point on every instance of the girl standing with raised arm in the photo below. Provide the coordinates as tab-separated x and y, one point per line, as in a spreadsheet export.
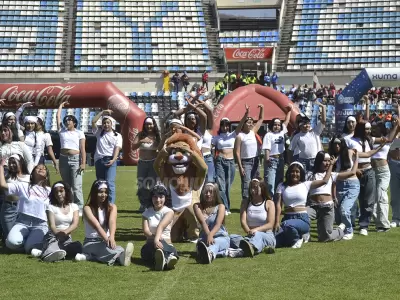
156	223
225	167
108	146
72	154
63	219
100	219
246	152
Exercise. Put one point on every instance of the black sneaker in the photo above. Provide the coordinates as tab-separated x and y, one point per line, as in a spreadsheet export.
203	253
160	260
248	249
269	250
381	229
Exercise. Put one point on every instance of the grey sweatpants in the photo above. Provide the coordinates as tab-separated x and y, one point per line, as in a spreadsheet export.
97	250
52	244
325	216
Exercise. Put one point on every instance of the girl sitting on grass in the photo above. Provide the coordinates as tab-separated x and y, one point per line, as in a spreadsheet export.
100	219
210	213
257	217
63	219
31	224
156	223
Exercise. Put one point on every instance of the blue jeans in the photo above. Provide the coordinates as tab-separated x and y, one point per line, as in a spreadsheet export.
220	246
8	215
367	197
146	179
273	173
394	166
107	173
69	170
209	160
308	163
259	241
27	233
293	226
347	192
251	170
225	175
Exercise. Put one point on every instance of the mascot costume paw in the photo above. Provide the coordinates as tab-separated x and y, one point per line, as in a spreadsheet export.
182	169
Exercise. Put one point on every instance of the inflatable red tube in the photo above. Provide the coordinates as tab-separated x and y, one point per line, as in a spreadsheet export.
94	94
233	105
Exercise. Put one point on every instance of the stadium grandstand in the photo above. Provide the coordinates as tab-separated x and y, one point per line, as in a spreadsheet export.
132	43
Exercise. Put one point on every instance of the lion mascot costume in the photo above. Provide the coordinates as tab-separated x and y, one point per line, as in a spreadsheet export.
182	169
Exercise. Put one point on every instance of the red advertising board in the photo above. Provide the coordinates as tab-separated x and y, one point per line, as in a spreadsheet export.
248	54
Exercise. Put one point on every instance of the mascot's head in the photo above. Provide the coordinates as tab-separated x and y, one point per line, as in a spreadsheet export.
181	149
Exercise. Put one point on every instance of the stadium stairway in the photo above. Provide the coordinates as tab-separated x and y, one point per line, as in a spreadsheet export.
216	53
285	37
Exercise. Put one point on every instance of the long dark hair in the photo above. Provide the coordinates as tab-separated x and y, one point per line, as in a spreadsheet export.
13	130
288	179
264	191
345	129
93	203
43	183
223	122
319	158
271	124
196	127
359	132
343	155
103	131
68	194
22	166
34	131
144	132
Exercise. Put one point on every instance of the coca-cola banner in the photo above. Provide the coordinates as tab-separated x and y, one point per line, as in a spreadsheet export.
248	54
94	94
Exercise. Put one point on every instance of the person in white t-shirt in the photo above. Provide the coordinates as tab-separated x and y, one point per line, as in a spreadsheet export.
10	119
63	219
294	228
17	172
225	167
72	154
31	138
46	143
274	147
108	147
156	224
31	224
100	220
307	142
246	152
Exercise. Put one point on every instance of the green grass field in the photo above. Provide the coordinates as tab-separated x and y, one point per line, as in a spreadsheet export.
363	268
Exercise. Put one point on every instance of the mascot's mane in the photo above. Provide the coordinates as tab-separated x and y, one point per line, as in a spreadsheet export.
183	137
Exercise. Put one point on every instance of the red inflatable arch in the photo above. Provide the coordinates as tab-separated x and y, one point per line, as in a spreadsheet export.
95	94
233	105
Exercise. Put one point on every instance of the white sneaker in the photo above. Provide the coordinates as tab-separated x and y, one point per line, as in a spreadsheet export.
36	252
235	252
125	257
298	244
194	241
342	226
171	262
55	256
364	232
394	224
80	213
348	236
80	257
160	260
306	238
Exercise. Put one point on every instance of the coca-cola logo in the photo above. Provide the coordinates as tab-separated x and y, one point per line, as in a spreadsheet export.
49	96
249	53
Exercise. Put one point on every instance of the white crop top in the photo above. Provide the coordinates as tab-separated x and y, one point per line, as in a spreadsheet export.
155	217
69	139
63	221
248	147
256	215
224	140
293	196
325	189
92	233
383	153
355	143
207	137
